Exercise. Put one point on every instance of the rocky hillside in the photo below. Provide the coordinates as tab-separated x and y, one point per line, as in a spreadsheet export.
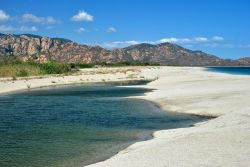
45	49
245	60
170	54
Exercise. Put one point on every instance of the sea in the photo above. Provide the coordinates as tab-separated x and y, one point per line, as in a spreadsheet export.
231	70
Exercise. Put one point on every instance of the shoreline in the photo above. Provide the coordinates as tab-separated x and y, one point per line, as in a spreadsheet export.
88	76
72	84
150	135
142	137
190	90
223	141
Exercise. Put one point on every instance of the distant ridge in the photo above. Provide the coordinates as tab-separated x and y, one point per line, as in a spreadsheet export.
45	49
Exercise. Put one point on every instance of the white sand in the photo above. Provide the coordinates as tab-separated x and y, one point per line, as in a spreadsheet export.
224	141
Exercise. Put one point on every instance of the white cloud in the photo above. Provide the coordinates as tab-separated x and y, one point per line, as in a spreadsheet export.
28	29
128	42
4	16
183	40
217	38
200	39
121	44
31	18
4	28
50	20
80	30
186	42
82	16
111	29
174	40
213	42
28	17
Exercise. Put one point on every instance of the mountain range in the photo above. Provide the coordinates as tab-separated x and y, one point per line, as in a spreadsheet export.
45	49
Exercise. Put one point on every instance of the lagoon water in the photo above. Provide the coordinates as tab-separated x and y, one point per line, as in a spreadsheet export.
77	125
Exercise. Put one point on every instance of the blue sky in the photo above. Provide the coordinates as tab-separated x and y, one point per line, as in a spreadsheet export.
219	27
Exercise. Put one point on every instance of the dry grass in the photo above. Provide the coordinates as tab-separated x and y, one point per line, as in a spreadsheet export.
11	70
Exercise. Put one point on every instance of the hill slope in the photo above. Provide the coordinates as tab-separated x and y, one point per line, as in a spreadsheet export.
45	49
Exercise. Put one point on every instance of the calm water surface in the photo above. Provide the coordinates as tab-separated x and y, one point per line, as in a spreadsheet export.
76	125
231	70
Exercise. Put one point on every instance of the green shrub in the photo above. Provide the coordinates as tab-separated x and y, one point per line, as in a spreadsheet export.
14	78
14	66
120	64
55	68
31	62
72	65
22	73
85	65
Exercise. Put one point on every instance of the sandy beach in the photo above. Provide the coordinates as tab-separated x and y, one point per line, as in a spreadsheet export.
223	141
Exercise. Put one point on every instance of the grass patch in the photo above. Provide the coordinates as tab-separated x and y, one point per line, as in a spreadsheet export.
72	65
19	70
54	68
118	64
11	66
22	73
86	65
14	67
14	78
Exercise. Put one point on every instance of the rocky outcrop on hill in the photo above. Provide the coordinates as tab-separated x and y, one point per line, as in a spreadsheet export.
36	47
245	60
45	49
